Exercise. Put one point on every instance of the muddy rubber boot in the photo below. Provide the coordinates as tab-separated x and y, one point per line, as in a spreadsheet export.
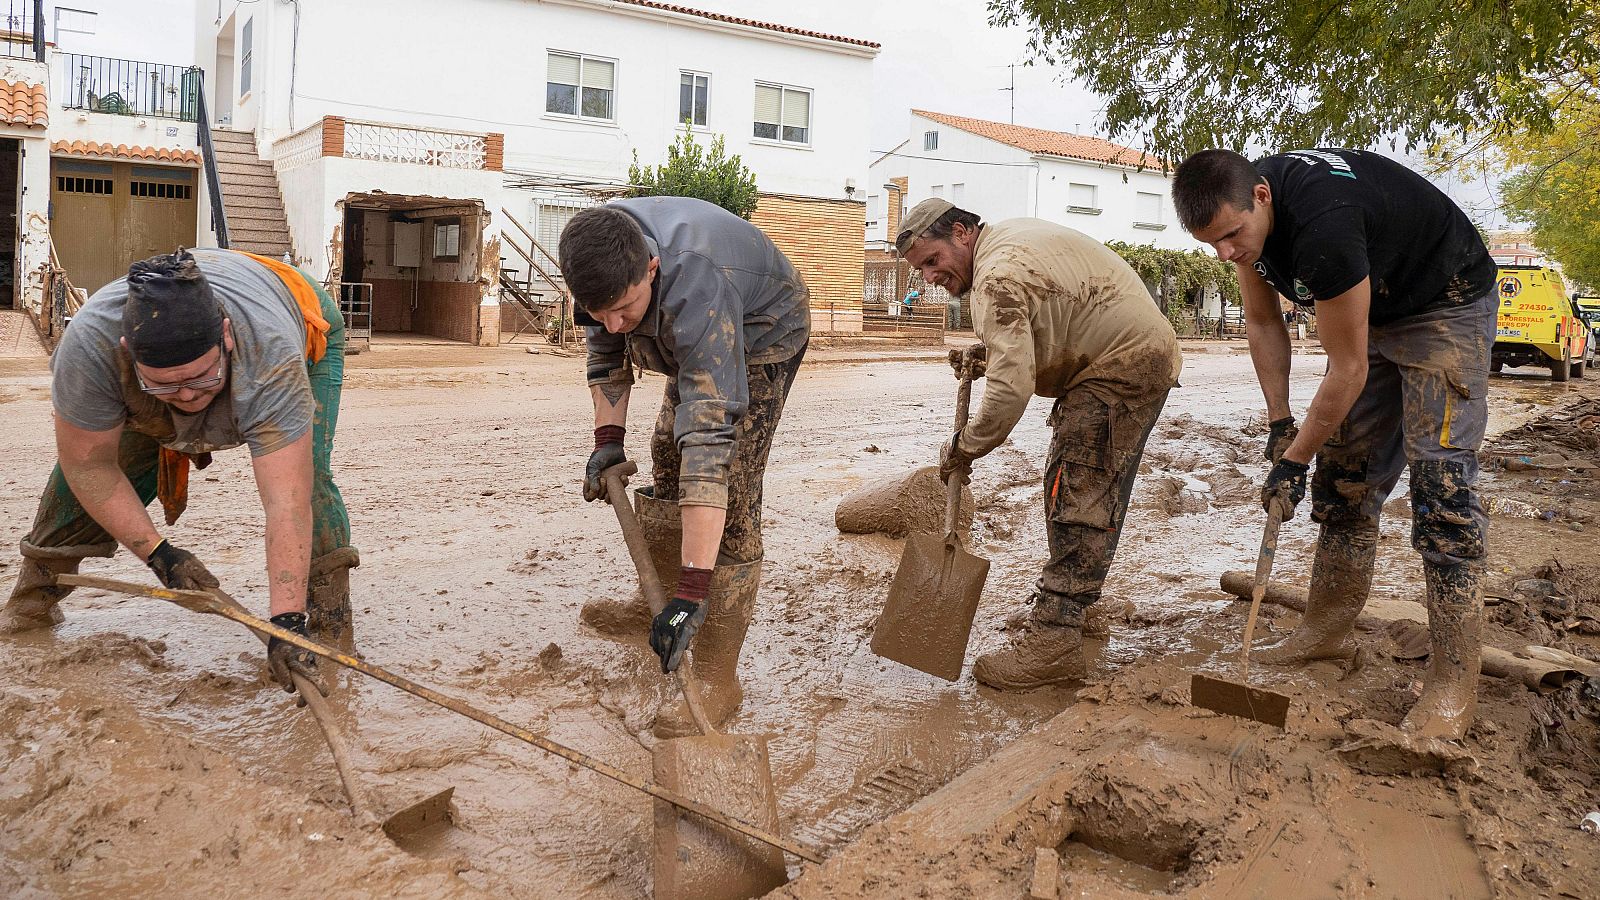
715	650
1341	576
328	593
1043	654
1455	624
35	598
662	526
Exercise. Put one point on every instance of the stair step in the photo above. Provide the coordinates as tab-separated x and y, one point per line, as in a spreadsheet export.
262	170
262	200
233	137
267	189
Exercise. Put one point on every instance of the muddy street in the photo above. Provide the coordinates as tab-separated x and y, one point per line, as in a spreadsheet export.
144	747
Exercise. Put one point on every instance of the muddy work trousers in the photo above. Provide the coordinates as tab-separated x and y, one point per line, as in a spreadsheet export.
768	389
1425	403
1095	450
62	529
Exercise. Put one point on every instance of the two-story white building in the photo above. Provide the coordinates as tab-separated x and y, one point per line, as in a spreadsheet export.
422	149
1002	171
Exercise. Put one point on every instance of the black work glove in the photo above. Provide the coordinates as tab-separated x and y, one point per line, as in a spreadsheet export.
607	453
952	459
1282	434
1285	487
673	629
285	659
179	569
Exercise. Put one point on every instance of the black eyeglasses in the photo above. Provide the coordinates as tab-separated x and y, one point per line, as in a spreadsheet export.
199	384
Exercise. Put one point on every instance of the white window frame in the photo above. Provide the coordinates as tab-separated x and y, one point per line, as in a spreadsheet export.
693	73
450	232
1148	223
811	115
958	193
1094	195
583	58
72	24
247	41
937	191
930	140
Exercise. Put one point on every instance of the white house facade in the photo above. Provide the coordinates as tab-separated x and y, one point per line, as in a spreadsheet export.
1002	171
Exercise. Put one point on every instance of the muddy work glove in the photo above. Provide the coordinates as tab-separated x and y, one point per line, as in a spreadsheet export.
1281	435
953	460
675	626
607	453
1285	487
285	659
178	569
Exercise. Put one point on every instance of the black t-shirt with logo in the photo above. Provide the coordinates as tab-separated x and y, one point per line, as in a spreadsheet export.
1344	215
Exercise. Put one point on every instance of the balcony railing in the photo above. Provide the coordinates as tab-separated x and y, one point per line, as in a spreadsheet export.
385	142
22	33
128	87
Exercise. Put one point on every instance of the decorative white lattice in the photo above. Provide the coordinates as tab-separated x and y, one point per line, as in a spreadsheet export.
421	146
297	149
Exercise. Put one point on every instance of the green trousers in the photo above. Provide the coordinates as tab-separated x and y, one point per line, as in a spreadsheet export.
62	529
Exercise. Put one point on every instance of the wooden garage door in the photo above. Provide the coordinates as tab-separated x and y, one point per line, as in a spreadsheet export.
104	216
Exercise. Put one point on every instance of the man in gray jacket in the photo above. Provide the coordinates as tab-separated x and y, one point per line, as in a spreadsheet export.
682	287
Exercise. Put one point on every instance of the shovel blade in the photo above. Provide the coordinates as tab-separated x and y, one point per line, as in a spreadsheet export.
1234	699
421	822
927	619
695	858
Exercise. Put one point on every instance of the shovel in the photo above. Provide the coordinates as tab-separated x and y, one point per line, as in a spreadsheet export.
430	814
927	619
205	602
1237	698
729	772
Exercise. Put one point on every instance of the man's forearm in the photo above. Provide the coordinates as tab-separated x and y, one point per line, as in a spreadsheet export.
1269	352
610	402
109	498
702	534
288	556
1337	393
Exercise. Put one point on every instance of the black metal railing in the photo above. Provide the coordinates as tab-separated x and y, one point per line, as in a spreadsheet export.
22	34
208	153
127	87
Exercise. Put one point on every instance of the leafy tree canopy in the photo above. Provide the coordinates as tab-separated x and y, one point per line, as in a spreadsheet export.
1230	73
691	171
1555	186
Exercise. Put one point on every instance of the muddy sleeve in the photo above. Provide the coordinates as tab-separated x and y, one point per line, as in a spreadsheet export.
708	330
1001	320
608	362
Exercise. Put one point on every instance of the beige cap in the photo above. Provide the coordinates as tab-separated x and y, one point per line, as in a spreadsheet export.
920	219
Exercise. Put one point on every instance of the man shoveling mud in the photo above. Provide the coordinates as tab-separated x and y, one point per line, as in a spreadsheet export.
190	354
1403	291
1062	316
687	289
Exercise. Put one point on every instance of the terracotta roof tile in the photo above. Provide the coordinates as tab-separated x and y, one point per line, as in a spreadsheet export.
1048	143
752	23
123	151
22	103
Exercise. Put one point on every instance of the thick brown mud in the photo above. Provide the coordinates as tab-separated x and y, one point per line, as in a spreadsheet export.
143	747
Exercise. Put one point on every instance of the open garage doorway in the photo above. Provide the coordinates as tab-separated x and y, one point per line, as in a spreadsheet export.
414	263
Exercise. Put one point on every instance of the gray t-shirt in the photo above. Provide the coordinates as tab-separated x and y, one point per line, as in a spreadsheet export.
267	402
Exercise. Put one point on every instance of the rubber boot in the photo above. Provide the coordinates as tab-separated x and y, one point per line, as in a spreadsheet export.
1043	654
328	593
1455	624
35	598
662	526
715	651
1341	577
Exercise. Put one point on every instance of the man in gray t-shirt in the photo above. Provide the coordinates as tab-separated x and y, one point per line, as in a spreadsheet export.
194	353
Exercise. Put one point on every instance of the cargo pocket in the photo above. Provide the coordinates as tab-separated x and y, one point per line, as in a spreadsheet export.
1466	409
1080	480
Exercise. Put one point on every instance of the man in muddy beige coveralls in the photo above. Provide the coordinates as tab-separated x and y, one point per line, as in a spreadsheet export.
685	288
1403	289
1062	316
190	354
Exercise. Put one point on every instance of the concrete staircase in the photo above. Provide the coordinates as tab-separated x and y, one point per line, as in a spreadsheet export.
250	196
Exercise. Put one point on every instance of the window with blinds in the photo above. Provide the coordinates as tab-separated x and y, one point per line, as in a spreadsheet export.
1147	210
552	220
783	113
582	86
694	94
1082	198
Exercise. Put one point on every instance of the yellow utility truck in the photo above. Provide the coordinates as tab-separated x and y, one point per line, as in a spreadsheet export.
1539	325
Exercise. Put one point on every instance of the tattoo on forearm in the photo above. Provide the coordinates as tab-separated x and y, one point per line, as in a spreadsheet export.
613	392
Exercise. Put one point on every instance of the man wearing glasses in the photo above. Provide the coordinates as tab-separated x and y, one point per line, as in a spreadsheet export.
190	354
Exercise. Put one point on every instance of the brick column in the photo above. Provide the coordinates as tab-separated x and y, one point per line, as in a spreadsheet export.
494	152
332	136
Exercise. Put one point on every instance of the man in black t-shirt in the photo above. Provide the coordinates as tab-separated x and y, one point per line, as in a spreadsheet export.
1403	290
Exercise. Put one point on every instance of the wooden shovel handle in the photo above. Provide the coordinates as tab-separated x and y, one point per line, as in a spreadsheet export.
952	488
616	482
1269	549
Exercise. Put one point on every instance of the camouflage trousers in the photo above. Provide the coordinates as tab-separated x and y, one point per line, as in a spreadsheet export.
1095	450
1425	403
768	387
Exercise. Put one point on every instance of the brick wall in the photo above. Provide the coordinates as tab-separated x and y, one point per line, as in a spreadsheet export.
823	240
448	309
